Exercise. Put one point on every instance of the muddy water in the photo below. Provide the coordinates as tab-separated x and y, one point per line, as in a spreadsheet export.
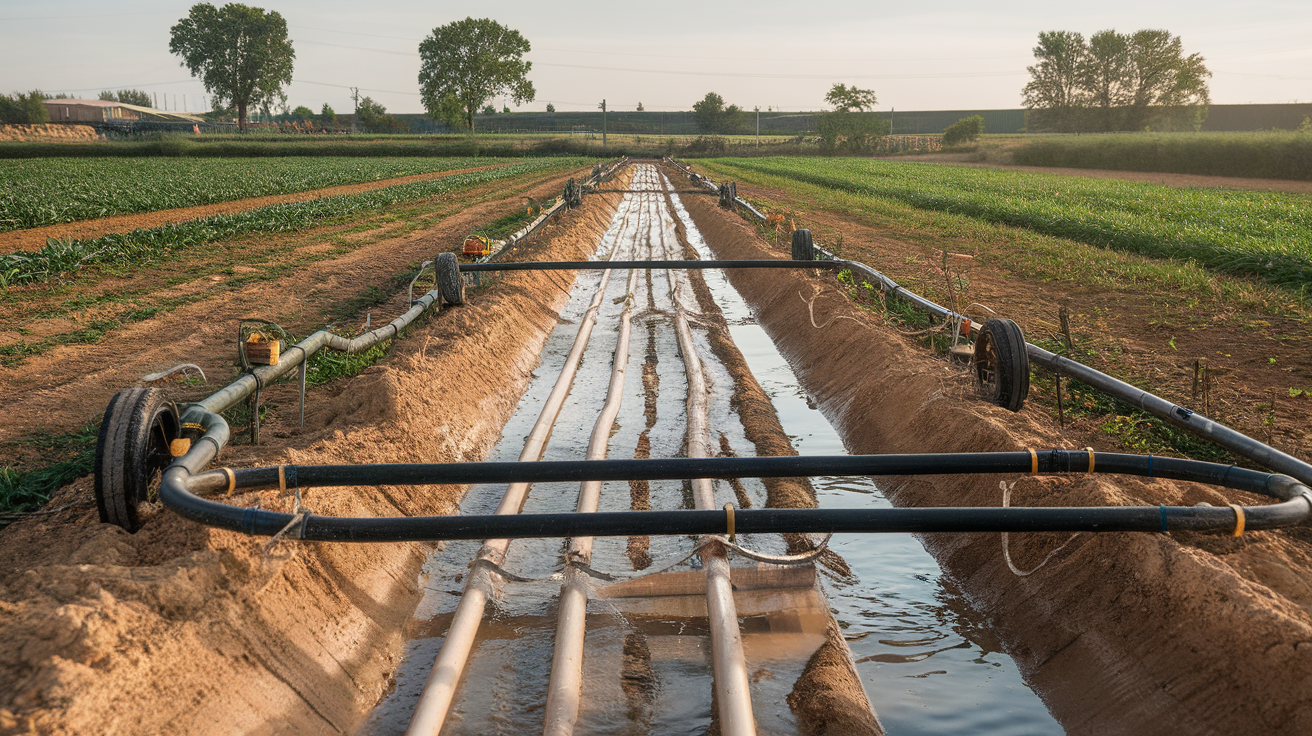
927	661
926	665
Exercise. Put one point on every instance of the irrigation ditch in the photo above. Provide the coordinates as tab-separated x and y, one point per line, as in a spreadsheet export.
699	573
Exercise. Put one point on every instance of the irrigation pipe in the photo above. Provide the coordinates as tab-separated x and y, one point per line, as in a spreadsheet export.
179	486
728	664
560	206
439	690
1186	419
565	688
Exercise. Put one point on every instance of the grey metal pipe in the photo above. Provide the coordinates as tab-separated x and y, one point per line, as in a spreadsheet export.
233	393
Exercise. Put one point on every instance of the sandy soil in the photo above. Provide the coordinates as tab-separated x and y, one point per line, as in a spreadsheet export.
183	629
1150	177
34	238
1120	633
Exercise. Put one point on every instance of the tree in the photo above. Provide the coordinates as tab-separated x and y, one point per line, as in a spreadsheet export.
640	108
1116	82
302	114
373	117
713	116
1103	75
964	130
241	54
551	107
1167	88
848	126
24	109
847	99
489	109
327	116
138	97
1054	87
466	63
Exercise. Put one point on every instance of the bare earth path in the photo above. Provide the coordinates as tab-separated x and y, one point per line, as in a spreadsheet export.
34	238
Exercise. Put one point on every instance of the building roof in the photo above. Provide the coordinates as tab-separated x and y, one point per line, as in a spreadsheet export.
181	116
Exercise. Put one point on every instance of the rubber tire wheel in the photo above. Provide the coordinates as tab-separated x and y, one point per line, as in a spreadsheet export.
1001	364
803	245
133	447
449	280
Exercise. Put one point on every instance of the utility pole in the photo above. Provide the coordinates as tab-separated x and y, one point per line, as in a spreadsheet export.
603	124
355	115
891	110
758	125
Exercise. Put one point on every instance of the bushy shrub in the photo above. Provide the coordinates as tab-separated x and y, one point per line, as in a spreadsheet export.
24	109
965	130
1272	155
852	132
708	145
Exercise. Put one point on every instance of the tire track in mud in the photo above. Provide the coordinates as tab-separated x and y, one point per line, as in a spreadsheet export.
639	548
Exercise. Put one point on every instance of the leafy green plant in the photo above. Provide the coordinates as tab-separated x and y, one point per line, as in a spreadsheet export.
49	191
25	488
128	249
1265	235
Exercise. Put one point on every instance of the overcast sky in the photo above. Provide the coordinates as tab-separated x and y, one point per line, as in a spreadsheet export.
953	54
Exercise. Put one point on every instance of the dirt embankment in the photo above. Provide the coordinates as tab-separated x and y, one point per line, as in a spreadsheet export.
57	132
828	698
184	629
1120	633
34	238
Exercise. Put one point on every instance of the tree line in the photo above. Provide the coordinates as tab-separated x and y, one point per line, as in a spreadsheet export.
1115	82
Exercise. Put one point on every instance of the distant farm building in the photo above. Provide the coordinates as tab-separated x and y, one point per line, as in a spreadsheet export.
109	111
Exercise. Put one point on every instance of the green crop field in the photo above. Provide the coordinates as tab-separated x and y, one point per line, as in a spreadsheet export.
1254	234
47	191
126	249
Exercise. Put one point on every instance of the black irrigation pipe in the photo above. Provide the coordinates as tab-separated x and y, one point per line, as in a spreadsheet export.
1179	416
625	265
178	487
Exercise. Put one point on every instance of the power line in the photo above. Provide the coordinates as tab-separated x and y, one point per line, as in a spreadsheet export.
119	86
674	56
765	75
79	17
347	86
749	75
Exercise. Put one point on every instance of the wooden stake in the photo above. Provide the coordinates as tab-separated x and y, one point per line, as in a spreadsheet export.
1064	315
1061	411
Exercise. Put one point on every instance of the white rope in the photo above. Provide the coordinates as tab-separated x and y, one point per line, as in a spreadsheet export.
810	308
782	560
1006	552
